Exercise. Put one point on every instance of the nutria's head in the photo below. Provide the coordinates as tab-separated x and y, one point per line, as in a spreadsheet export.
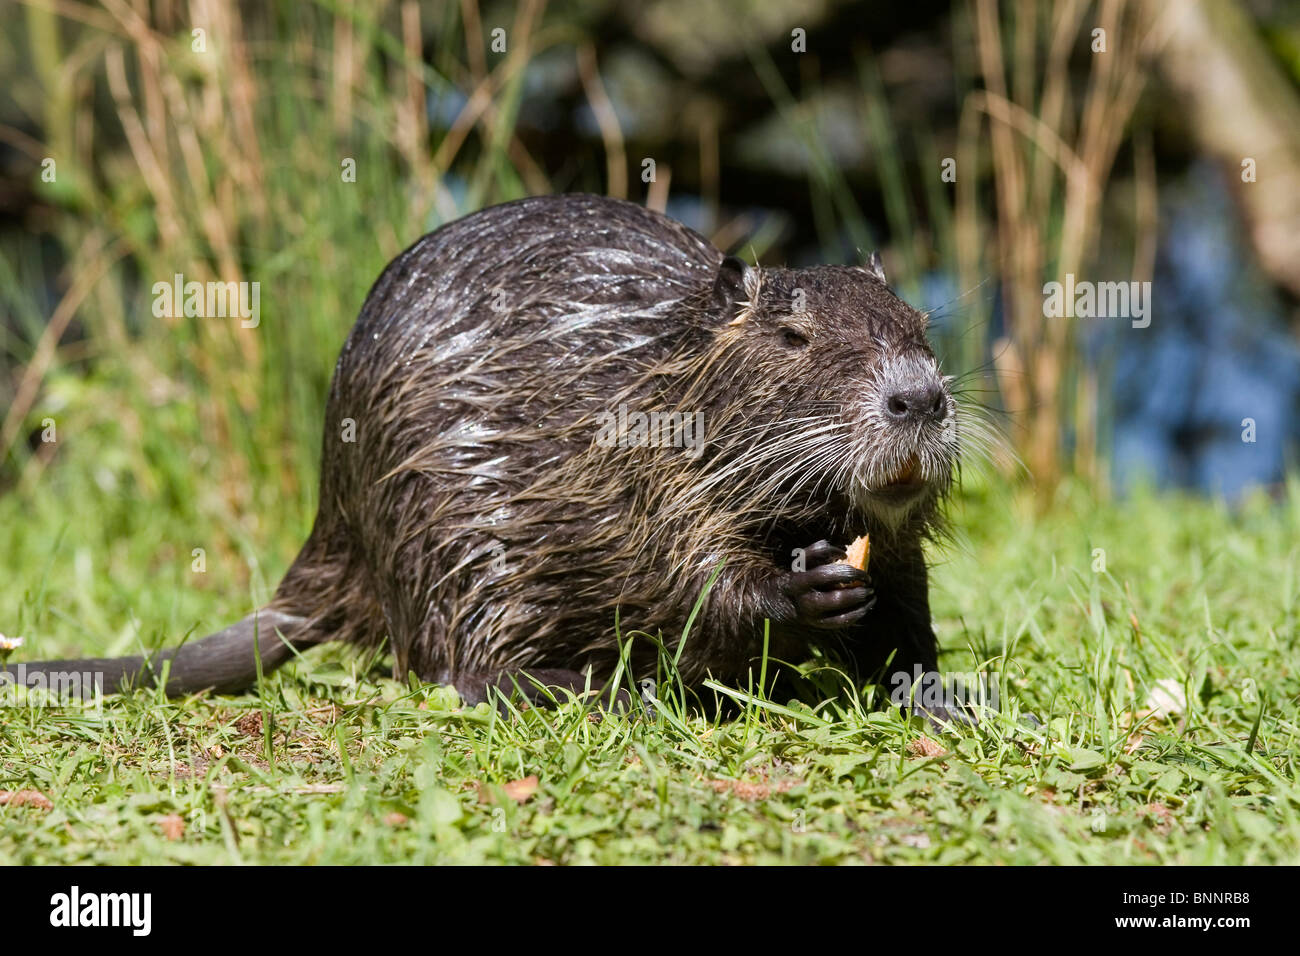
856	404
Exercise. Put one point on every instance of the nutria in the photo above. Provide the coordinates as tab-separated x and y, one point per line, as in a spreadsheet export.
563	413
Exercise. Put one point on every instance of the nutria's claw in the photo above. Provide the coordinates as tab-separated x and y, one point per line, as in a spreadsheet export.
830	596
831	621
823	552
828	577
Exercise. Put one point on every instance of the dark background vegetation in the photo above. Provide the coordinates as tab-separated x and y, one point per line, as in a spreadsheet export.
225	164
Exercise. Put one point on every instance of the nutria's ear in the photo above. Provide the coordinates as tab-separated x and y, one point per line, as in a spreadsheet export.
729	285
875	267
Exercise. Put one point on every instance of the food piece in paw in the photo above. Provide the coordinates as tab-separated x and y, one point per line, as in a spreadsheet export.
859	553
856	554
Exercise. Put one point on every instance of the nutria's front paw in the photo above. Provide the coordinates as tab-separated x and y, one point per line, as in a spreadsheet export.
830	596
823	552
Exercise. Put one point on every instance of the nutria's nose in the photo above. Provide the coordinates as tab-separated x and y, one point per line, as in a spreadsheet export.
918	403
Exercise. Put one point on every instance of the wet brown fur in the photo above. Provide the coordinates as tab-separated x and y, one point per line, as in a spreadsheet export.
475	375
476	523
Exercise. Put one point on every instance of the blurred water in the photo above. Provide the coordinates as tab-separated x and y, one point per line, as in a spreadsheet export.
1217	352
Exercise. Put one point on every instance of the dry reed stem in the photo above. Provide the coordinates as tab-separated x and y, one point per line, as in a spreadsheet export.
1031	363
611	133
89	265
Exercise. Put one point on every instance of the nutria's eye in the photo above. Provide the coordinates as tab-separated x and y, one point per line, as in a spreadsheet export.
796	340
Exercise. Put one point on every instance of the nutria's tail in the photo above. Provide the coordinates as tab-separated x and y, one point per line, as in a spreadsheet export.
224	662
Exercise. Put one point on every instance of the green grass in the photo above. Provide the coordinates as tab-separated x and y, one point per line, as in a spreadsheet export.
331	763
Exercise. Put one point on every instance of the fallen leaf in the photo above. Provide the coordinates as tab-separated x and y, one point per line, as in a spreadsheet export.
521	790
250	723
750	790
925	747
25	798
